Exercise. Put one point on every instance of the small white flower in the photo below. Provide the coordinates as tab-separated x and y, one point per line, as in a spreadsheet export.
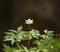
45	50
29	21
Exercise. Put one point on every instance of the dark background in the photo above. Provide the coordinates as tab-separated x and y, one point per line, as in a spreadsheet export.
13	13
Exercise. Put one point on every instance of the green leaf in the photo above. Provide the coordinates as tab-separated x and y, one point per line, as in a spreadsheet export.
10	37
35	33
7	48
14	31
8	33
27	35
19	36
50	33
19	28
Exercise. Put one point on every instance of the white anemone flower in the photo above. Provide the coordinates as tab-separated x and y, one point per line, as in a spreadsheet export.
29	21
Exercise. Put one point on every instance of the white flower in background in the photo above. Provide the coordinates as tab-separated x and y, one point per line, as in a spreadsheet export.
52	47
29	21
45	50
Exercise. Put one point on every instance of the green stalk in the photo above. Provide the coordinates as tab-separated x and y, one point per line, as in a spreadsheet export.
29	27
28	40
17	44
28	43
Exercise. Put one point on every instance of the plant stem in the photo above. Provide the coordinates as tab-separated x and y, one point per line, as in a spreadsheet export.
28	43
29	27
28	40
17	43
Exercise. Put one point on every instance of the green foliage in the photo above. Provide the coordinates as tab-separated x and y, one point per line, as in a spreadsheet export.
43	42
7	48
10	37
20	35
35	33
